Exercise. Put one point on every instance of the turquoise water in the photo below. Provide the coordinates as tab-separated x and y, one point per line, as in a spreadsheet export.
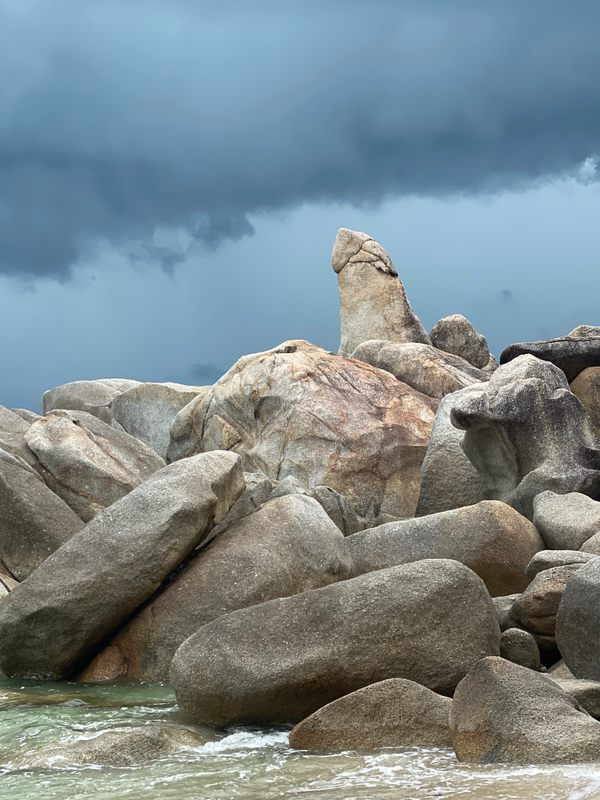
244	764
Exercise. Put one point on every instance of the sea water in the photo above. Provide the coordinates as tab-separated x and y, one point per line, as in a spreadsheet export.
244	763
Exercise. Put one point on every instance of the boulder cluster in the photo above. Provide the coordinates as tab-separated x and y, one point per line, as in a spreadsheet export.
396	545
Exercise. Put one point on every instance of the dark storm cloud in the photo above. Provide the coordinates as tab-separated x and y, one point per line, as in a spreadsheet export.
121	117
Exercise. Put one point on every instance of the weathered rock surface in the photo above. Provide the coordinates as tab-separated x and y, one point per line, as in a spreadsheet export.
448	479
426	369
578	622
490	538
86	462
455	334
280	661
547	559
91	396
520	647
507	611
373	302
586	693
566	521
391	713
52	623
34	521
571	354
147	411
526	432
286	547
504	713
300	411
538	605
125	746
587	388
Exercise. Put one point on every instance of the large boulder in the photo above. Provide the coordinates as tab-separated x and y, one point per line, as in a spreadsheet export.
300	411
505	713
491	538
34	522
455	334
89	464
288	546
547	559
147	411
578	622
448	479
421	366
566	521
91	396
587	388
52	623
571	354
586	693
391	713
538	604
520	647
373	302
279	661
526	432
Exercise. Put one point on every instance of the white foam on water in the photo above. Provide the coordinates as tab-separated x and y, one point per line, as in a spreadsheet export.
244	739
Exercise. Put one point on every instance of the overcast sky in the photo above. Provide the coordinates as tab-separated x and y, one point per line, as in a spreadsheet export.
172	174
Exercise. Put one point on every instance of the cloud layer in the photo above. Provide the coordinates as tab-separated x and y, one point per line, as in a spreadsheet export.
155	126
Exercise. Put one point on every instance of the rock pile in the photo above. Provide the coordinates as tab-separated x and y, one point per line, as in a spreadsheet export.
386	547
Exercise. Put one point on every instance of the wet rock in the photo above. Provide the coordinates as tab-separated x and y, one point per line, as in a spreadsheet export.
34	522
300	411
566	521
448	479
86	462
147	411
280	661
520	647
125	746
538	605
547	559
586	387
421	366
571	354
373	302
91	396
53	622
455	334
391	713
525	432
491	538
287	546
504	713
578	622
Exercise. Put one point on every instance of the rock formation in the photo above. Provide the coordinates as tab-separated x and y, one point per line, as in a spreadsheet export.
373	302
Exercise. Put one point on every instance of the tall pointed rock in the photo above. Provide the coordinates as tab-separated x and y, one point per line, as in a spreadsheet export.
373	302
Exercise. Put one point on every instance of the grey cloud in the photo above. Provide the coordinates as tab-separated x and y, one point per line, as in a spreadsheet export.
122	117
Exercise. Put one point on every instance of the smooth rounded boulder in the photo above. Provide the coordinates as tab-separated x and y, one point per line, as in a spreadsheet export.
538	605
89	464
94	396
566	521
391	713
288	546
54	621
421	366
455	334
299	411
505	713
34	522
578	622
490	538
280	661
